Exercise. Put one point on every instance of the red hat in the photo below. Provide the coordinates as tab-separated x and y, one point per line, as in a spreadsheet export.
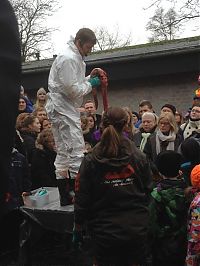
195	176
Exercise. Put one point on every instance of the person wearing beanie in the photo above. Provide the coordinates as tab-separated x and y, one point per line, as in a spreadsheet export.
193	249
192	127
168	212
29	103
190	150
168	108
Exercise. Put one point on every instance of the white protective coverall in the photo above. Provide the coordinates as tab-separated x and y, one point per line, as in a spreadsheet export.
67	86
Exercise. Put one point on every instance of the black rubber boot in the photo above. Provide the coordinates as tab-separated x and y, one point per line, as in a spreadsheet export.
63	188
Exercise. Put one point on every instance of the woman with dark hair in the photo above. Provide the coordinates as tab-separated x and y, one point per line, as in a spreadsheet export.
22	106
29	130
112	195
42	166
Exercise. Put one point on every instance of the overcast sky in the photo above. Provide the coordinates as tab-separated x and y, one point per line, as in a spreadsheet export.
128	15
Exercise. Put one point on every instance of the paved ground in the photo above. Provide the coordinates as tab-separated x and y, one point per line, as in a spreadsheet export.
52	250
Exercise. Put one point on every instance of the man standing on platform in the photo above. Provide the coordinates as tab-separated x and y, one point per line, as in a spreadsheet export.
67	86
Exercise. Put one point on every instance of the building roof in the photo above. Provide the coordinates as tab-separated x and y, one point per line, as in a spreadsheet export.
130	53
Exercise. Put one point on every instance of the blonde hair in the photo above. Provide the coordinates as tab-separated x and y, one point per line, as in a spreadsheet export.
38	102
152	115
171	119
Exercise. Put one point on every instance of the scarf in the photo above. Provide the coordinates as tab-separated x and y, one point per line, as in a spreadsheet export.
160	137
144	140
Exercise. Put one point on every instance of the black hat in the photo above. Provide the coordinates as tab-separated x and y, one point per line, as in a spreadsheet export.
168	163
170	106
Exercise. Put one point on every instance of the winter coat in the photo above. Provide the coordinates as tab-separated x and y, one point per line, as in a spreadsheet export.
193	250
19	179
29	143
150	147
112	195
137	138
190	128
150	151
168	223
43	169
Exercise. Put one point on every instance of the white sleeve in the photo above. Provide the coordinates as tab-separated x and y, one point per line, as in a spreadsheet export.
74	85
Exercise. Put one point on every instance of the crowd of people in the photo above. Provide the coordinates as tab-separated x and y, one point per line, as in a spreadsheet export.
165	150
132	175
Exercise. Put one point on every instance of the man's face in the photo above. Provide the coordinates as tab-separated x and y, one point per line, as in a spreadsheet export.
85	48
90	108
144	109
195	113
166	110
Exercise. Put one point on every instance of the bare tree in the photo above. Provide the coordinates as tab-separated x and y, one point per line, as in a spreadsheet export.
187	10
164	26
34	34
109	40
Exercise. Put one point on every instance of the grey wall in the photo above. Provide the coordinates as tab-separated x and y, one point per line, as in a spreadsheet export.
175	89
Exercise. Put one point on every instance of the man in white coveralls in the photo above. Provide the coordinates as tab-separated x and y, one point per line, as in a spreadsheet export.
67	86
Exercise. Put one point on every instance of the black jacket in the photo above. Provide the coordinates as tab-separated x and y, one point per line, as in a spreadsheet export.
113	196
29	144
19	179
137	138
43	169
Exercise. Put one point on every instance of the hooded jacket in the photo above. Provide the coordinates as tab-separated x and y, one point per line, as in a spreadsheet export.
112	195
168	221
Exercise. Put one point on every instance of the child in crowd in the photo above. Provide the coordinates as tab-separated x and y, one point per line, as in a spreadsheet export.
193	250
190	150
169	213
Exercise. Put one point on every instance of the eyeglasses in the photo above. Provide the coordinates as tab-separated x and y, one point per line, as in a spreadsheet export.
164	124
195	111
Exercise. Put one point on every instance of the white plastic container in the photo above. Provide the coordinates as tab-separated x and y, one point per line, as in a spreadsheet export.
38	201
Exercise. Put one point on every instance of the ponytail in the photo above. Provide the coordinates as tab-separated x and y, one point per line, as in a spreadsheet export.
110	142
